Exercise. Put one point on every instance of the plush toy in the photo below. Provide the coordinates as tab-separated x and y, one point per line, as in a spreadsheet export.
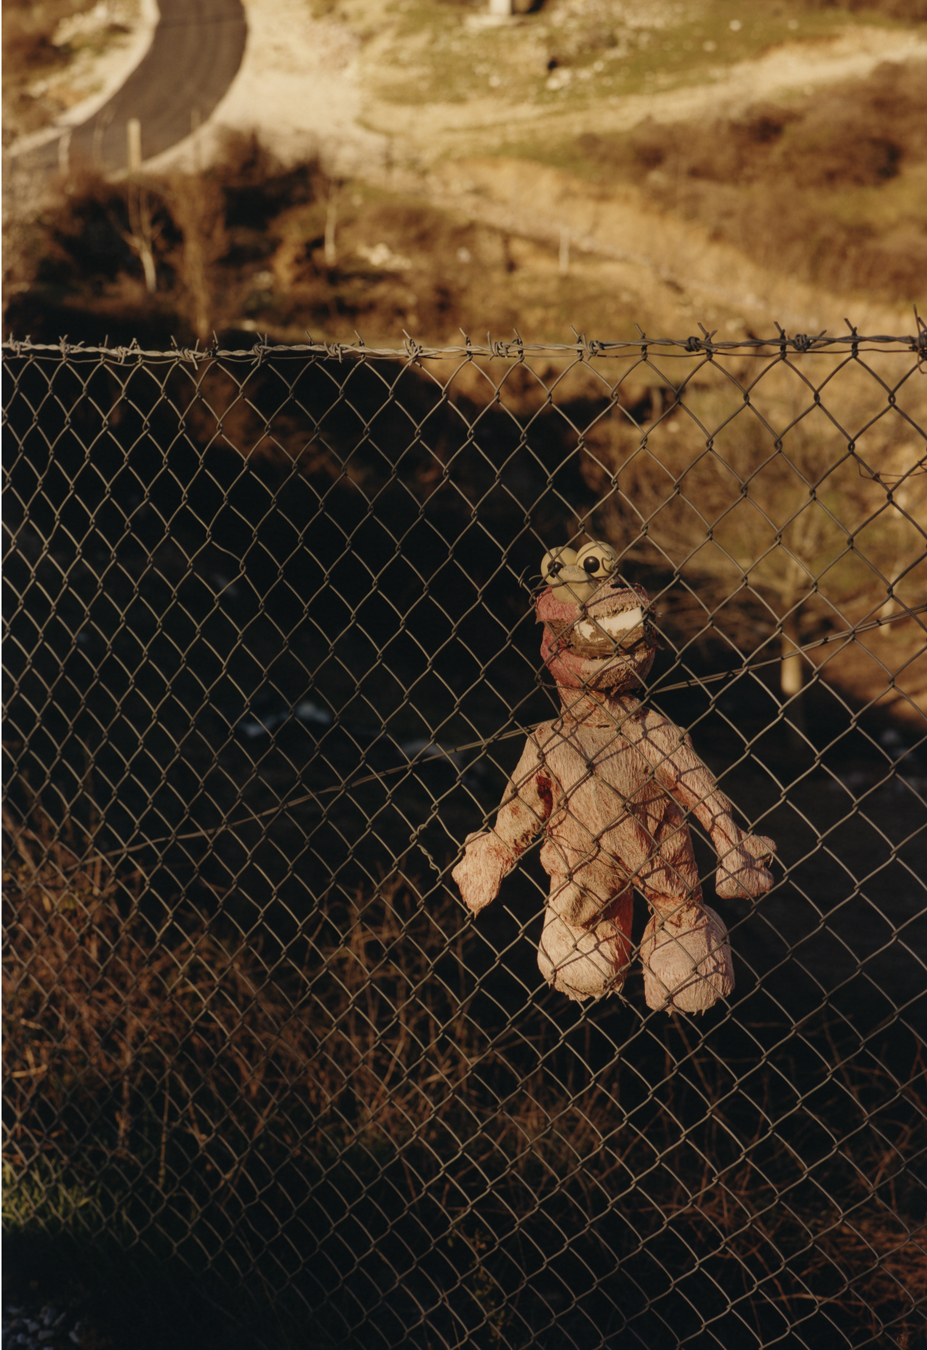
610	782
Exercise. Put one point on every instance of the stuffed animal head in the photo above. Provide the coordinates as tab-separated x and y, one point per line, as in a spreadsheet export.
598	632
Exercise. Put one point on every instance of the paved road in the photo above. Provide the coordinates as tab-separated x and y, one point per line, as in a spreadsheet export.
194	56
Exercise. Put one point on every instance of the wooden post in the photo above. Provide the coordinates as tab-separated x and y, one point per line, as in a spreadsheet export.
331	225
134	144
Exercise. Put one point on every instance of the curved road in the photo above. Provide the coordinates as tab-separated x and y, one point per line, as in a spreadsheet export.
195	53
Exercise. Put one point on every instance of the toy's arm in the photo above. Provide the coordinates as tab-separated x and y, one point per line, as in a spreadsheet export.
490	854
742	858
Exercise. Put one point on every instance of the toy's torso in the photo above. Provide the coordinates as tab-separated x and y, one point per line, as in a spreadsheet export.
607	806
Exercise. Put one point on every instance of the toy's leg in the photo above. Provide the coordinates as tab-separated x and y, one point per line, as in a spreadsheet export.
587	962
585	947
686	955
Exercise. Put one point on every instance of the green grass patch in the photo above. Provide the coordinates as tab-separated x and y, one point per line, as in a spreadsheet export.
440	54
51	1200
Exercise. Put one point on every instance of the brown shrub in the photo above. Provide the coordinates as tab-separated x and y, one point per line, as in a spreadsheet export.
27	51
857	134
116	1020
769	181
104	1014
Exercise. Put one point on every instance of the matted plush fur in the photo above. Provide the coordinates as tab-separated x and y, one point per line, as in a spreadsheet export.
611	783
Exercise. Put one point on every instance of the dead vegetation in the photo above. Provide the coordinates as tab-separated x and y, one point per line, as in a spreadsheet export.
827	189
251	244
762	520
830	187
155	1062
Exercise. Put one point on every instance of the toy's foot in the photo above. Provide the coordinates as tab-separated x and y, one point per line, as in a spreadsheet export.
583	962
687	961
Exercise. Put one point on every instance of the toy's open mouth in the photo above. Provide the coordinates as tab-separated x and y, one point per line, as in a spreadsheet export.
611	626
599	636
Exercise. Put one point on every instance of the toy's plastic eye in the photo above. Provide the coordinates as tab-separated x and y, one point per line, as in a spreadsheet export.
597	559
554	561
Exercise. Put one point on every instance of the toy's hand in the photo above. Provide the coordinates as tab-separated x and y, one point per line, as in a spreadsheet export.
481	869
743	869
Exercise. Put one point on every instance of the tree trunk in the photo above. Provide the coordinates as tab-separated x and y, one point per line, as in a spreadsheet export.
331	225
142	231
792	680
791	670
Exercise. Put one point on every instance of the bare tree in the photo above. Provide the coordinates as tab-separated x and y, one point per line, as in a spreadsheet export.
144	228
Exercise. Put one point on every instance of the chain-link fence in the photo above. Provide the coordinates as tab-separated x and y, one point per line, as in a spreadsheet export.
271	656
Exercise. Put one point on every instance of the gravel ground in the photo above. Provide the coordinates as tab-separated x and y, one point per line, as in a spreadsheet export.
51	1326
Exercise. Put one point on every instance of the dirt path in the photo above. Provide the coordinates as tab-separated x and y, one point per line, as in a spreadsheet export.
307	86
653	249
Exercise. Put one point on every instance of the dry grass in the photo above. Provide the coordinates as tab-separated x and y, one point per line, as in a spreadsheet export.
111	1010
829	187
173	1065
831	194
106	1014
244	246
826	189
